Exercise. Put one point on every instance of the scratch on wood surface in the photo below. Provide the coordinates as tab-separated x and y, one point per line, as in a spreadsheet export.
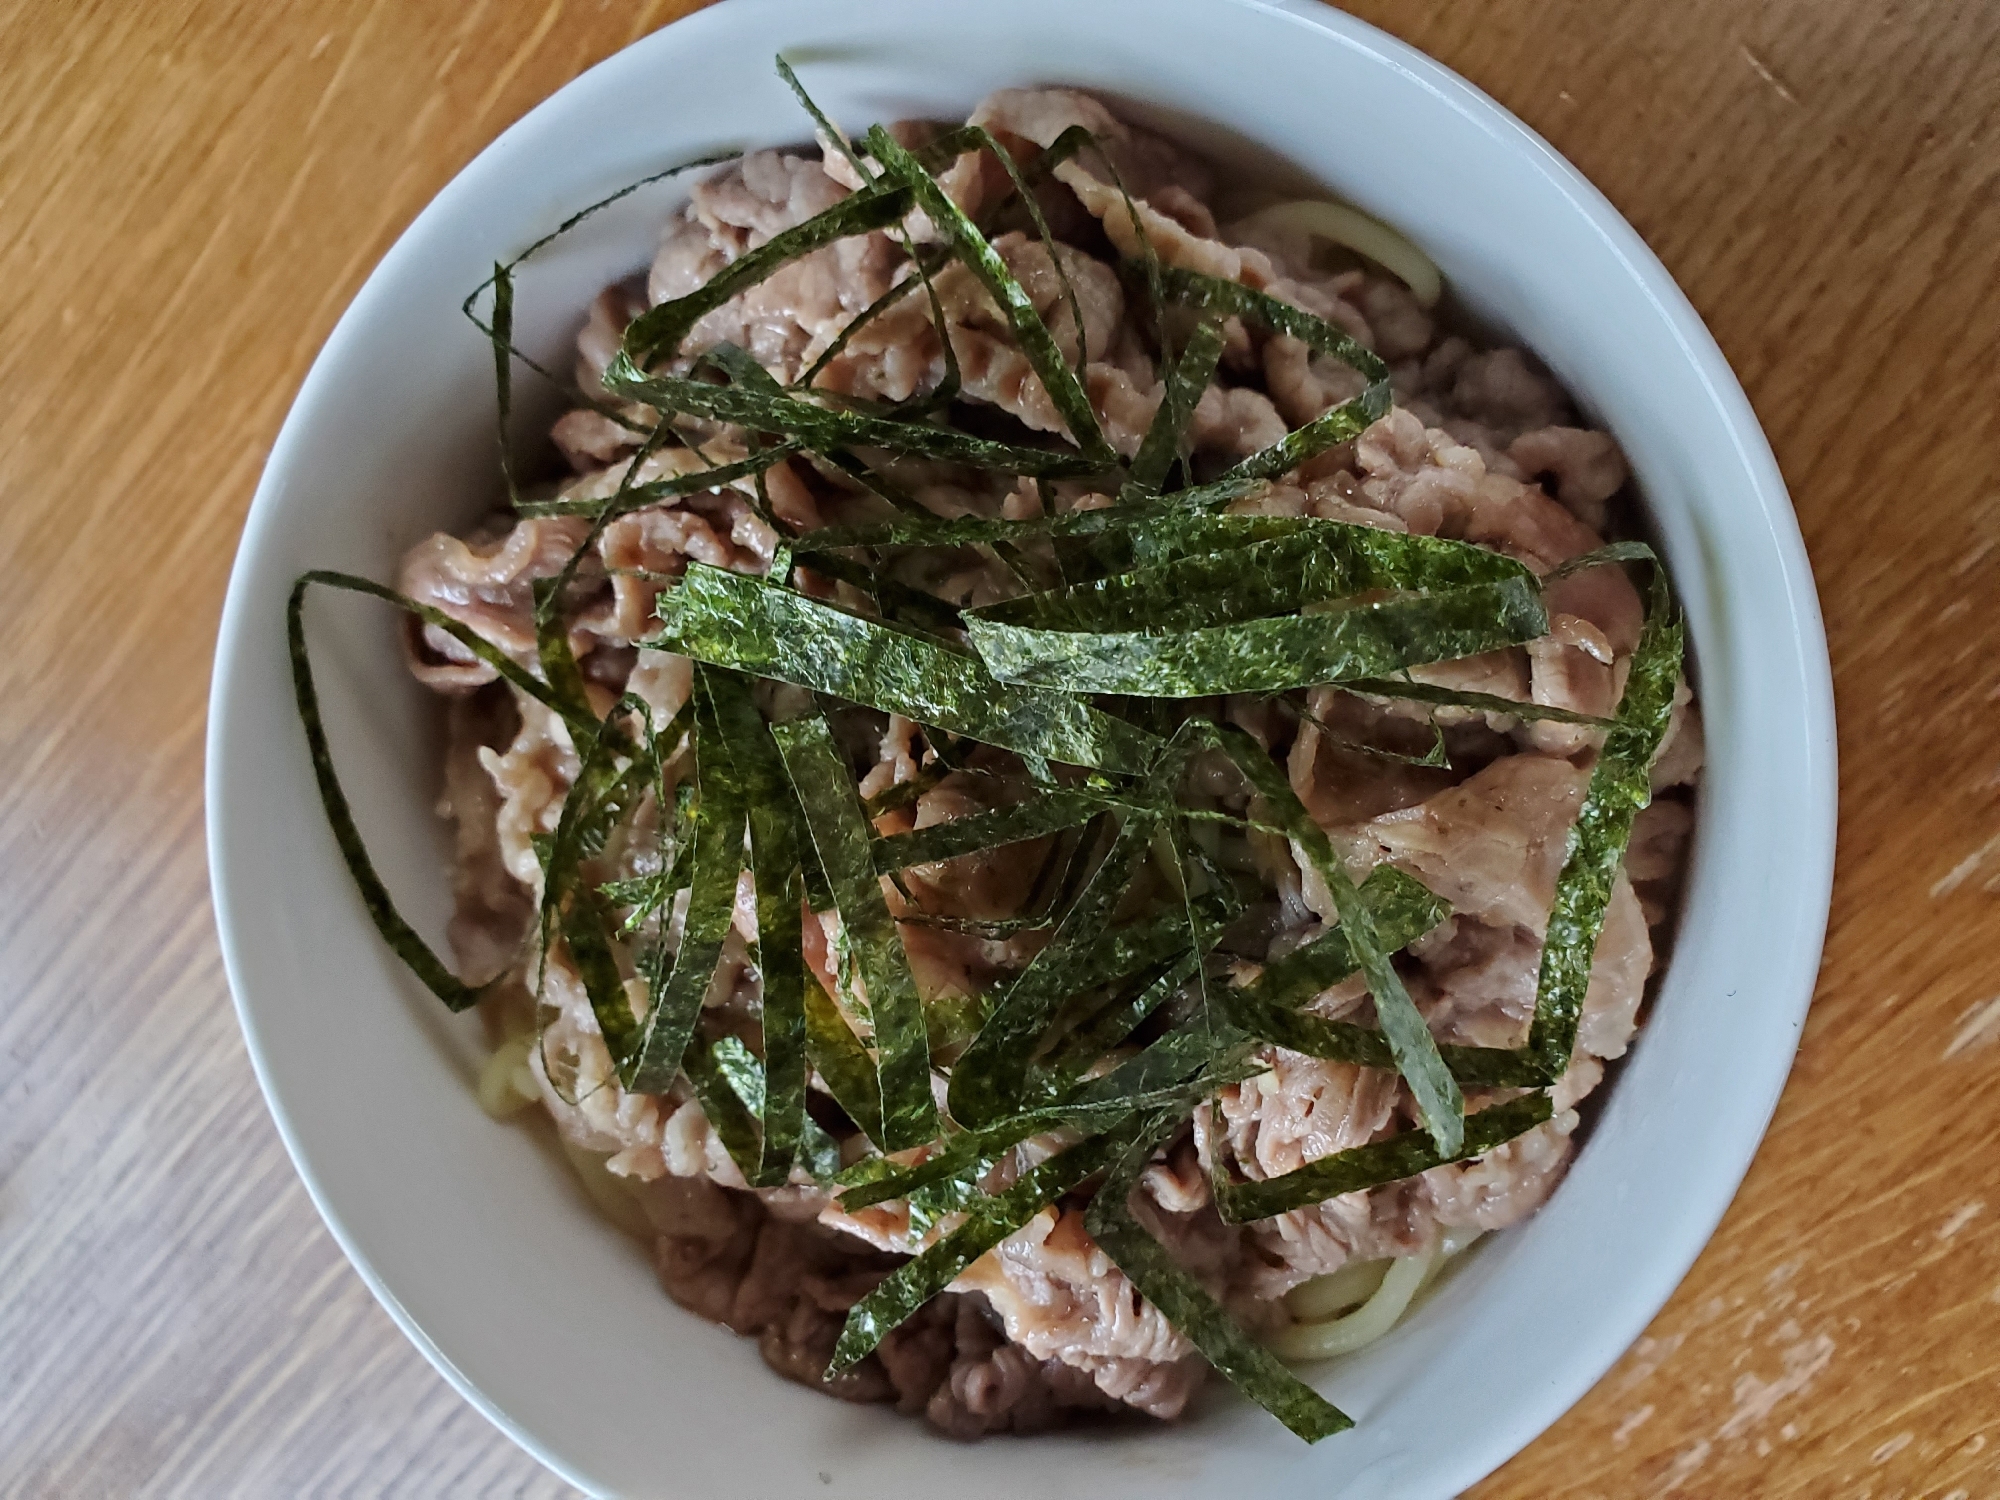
1978	1027
1891	1448
1962	1216
1966	868
1647	1356
1756	1398
1632	1423
1685	1467
1763	71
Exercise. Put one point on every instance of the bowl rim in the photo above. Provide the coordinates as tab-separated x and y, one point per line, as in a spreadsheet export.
1814	858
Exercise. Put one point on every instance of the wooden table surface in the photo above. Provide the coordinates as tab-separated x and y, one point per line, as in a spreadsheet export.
191	191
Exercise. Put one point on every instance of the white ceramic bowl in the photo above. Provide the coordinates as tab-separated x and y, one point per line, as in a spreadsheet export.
478	1243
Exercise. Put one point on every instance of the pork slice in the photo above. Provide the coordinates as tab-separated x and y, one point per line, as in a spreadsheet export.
486	583
1587	467
1060	1297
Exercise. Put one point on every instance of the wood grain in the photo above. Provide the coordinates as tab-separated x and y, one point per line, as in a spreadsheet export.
191	190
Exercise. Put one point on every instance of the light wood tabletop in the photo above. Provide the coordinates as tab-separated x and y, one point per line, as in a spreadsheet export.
191	191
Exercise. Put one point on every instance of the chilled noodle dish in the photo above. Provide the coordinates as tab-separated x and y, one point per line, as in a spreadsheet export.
1073	789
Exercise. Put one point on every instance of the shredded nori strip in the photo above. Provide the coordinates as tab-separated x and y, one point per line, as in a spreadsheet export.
396	932
775	867
1416	1052
1338	424
1315	563
737	621
1266	655
732	1117
979	257
840	838
1400	1156
823	429
1620	785
639	496
719	821
1443	697
1403	909
657	333
1162	445
988	830
989	1080
843	1064
916	1281
1245	1363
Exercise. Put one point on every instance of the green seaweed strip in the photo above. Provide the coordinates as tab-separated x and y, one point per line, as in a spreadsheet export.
1616	552
1268	1007
929	261
979	256
548	596
872	1180
1123	951
1330	428
1245	1363
638	496
515	674
841	838
502	333
1403	910
1398	1157
733	1061
826	126
1091	1040
1027	199
897	601
657	333
488	329
1184	385
915	1282
1416	1052
988	830
1266	655
397	933
775	866
1168	533
903	793
991	1076
1423	692
1620	785
1169	511
720	816
737	621
822	428
1314	564
730	1116
843	1063
1342	1041
565	677
1204	1048
586	928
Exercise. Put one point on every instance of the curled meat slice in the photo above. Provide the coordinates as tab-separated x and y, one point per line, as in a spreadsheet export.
487	584
1508	1183
1304	1108
1587	467
1145	163
1060	1297
798	310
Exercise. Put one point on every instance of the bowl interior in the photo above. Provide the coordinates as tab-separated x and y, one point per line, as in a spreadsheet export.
473	1235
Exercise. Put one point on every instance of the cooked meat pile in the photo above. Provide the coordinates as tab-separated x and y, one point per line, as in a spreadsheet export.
1481	445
